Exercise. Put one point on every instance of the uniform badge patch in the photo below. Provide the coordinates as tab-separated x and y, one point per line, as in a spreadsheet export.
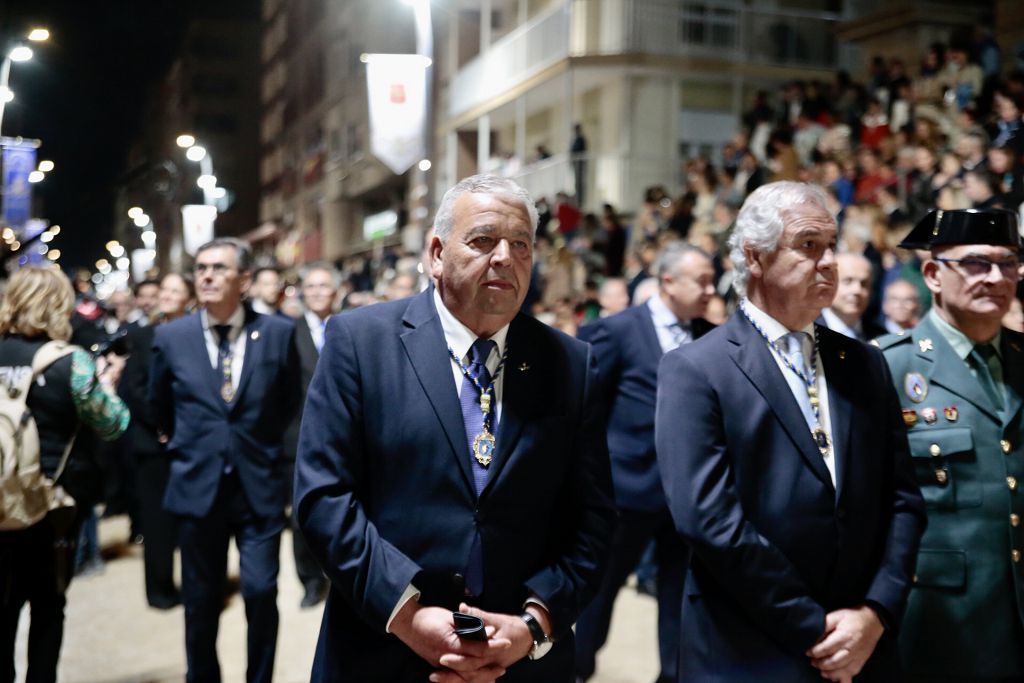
930	415
915	386
925	345
951	413
909	417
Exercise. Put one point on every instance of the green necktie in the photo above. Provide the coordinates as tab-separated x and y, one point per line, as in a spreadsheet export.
986	364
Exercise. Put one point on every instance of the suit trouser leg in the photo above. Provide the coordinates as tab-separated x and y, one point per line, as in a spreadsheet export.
259	547
305	564
672	558
204	559
632	533
160	530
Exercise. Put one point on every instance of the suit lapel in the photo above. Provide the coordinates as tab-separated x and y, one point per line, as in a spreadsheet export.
426	348
519	394
947	369
648	333
203	360
840	407
254	346
1013	375
304	338
752	356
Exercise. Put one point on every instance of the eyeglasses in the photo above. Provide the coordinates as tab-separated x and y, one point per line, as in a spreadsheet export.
976	267
215	268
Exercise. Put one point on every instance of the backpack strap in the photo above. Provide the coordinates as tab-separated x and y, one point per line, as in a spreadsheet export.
48	354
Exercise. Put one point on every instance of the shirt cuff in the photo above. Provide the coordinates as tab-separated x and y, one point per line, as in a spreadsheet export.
411	593
535	600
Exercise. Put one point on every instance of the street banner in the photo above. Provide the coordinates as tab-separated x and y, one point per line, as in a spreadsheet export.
397	94
197	225
18	162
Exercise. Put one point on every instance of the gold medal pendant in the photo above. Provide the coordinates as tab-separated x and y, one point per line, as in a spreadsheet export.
821	440
483	447
227	392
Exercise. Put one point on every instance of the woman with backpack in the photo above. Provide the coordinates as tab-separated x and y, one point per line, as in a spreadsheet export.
71	400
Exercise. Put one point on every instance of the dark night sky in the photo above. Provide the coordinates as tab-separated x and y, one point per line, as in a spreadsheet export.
84	94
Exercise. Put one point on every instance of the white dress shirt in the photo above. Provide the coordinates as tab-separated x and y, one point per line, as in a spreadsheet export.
316	328
664	323
776	331
237	322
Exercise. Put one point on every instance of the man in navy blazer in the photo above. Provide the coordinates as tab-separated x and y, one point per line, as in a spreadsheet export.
223	384
787	471
423	488
628	347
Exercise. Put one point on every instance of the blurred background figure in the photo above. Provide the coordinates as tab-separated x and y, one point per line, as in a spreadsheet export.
846	314
266	290
73	402
901	306
613	296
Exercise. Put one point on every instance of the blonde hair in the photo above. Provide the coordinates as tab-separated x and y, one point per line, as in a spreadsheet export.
38	301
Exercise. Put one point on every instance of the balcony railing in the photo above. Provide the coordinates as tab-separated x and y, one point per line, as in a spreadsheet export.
717	29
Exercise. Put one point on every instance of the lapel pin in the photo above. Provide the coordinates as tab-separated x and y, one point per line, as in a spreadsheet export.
523	367
951	413
842	355
925	345
909	417
915	386
930	415
255	335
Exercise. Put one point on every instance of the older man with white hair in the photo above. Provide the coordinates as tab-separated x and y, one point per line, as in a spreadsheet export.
785	464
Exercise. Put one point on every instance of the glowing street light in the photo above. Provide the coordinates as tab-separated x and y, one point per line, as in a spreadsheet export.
195	153
53	254
185	140
38	35
45	165
21	53
135	212
6	95
207	181
36	176
141	221
54	230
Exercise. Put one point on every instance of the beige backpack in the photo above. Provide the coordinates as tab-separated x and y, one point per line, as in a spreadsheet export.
26	494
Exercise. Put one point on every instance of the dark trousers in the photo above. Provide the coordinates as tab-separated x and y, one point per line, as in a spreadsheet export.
634	531
159	529
36	565
204	557
305	564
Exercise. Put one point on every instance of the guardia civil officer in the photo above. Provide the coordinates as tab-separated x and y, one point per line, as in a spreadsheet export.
960	376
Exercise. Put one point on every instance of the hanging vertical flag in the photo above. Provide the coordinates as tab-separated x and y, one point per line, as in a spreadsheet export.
18	162
197	225
397	94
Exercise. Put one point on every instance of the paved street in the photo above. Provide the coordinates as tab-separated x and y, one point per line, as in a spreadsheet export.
113	637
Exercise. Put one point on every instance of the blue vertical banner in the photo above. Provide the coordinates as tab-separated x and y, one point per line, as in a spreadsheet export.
18	162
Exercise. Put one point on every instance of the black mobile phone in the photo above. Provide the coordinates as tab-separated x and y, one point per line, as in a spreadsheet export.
469	627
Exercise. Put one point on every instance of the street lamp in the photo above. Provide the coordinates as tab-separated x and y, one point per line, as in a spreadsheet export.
207	180
19	53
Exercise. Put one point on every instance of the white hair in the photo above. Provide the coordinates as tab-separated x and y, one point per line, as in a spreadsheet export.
760	222
496	186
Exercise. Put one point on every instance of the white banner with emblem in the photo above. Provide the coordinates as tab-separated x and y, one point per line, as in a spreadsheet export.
397	95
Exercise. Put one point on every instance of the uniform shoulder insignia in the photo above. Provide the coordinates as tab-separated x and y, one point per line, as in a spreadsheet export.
887	341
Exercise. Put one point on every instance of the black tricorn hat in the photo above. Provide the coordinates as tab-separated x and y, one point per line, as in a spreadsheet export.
997	227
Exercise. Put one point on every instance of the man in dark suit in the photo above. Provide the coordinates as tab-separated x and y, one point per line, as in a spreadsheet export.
452	457
961	377
319	286
786	468
845	314
628	346
223	385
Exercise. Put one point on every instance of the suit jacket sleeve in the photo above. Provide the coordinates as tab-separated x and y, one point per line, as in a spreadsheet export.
567	586
697	472
609	363
331	475
891	583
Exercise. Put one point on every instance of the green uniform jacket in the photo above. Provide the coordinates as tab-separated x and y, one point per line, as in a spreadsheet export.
966	609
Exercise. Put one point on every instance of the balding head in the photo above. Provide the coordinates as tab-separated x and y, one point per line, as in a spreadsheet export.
854	289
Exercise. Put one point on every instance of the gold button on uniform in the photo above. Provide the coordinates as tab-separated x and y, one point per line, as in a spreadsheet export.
1005	445
1014	519
935	450
1012	483
941	476
1015	555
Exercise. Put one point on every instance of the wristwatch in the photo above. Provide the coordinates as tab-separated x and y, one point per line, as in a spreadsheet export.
541	643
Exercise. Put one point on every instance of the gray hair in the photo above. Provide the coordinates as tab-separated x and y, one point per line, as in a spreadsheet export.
242	250
502	188
760	222
321	266
668	259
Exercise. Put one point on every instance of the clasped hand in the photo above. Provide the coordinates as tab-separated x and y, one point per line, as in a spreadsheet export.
849	639
430	633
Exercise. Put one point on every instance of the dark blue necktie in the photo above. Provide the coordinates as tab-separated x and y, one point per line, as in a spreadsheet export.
473	420
224	370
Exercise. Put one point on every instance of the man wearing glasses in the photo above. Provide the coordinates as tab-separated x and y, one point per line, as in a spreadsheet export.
960	377
224	384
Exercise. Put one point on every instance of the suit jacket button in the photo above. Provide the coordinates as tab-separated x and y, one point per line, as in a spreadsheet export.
1005	445
941	477
935	450
1015	555
1014	519
1011	482
458	579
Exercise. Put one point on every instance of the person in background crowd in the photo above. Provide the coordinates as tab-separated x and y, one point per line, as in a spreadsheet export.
175	297
628	347
961	378
853	291
481	424
401	286
613	297
146	294
786	470
901	305
717	311
319	284
73	402
266	290
121	314
224	413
